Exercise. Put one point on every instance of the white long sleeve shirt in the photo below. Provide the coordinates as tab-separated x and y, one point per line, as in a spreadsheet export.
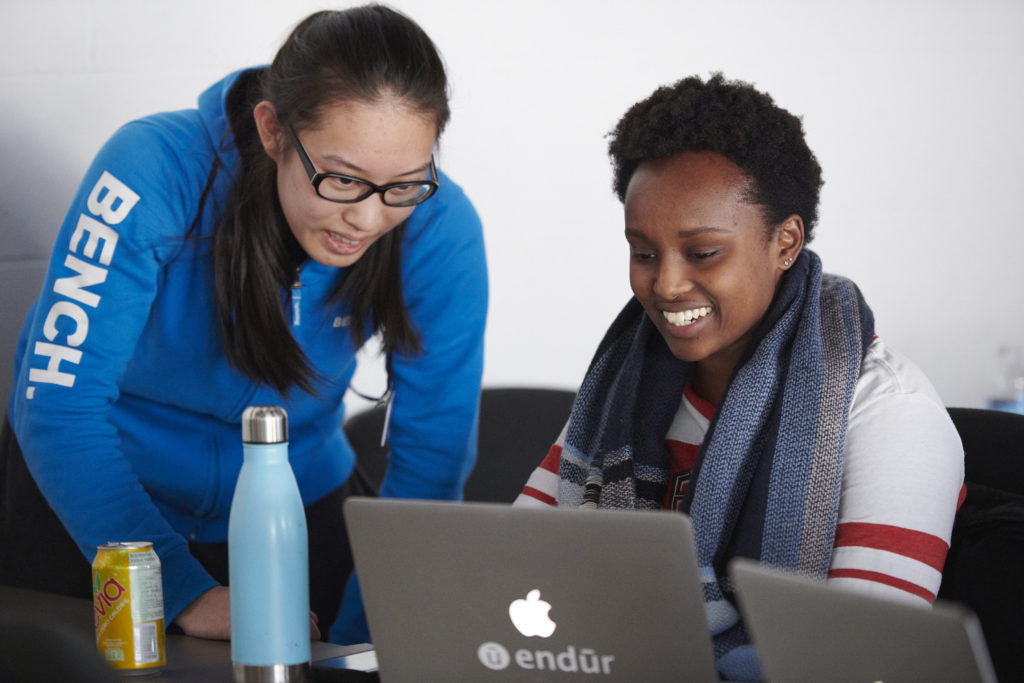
902	478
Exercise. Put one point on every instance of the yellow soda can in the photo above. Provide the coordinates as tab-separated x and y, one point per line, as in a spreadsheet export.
128	606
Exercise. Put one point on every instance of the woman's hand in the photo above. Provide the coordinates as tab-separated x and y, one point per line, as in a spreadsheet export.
209	616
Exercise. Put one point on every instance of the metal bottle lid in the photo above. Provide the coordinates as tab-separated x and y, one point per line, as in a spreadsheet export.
264	424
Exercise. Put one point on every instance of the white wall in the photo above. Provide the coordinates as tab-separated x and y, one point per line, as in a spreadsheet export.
913	108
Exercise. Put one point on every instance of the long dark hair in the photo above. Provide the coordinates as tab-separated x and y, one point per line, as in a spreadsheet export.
331	57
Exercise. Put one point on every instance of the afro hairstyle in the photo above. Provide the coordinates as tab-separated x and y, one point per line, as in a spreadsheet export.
733	119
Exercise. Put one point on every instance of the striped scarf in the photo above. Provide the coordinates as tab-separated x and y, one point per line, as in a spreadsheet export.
766	482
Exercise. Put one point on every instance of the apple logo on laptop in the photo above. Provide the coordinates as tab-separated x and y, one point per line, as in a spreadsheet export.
530	616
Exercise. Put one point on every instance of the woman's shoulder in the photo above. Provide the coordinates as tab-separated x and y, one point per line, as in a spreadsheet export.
190	134
168	155
444	242
886	372
168	142
165	160
449	213
898	419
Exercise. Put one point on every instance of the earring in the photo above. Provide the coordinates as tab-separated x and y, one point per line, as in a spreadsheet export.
788	261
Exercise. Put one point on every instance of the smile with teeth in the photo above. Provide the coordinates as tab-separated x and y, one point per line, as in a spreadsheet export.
343	239
686	317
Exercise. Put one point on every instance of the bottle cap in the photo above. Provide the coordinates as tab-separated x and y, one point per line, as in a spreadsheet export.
264	424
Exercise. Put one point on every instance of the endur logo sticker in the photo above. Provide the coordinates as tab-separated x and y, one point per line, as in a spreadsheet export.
530	617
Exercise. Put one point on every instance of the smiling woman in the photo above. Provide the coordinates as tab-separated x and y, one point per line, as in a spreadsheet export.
704	262
386	139
744	386
219	257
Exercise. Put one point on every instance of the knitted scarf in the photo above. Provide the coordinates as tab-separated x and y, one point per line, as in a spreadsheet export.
766	481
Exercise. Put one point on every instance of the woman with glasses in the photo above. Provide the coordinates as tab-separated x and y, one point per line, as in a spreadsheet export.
744	386
239	254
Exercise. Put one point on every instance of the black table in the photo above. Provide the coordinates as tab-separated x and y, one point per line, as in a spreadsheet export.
189	660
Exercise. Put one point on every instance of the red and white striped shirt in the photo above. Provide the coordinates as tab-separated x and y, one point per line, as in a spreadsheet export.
901	486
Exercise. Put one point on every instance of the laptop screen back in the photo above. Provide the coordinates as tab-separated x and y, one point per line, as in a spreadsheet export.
479	592
810	630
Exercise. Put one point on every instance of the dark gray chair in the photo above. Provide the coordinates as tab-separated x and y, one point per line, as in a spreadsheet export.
517	427
993	447
985	564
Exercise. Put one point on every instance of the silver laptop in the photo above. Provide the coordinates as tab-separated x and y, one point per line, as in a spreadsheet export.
486	592
808	630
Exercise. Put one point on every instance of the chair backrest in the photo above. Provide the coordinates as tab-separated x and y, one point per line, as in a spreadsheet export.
993	447
986	556
517	427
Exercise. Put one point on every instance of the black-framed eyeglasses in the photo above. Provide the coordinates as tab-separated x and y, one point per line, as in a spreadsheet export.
347	189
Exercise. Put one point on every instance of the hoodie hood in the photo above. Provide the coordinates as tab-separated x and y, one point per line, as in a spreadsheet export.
213	112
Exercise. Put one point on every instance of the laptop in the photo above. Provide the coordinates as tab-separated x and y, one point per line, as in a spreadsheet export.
489	592
806	630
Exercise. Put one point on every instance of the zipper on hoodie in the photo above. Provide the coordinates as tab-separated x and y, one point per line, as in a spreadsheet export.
297	298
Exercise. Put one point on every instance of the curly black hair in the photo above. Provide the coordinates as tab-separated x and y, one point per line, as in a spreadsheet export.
735	120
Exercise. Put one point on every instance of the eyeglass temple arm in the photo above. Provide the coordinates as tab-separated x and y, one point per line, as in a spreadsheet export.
307	163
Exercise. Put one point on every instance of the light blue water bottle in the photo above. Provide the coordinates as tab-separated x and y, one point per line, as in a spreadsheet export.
268	560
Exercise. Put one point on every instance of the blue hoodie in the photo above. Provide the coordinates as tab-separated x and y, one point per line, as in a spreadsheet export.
124	403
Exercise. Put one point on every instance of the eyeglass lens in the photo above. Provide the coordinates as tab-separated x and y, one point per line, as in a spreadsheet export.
352	189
